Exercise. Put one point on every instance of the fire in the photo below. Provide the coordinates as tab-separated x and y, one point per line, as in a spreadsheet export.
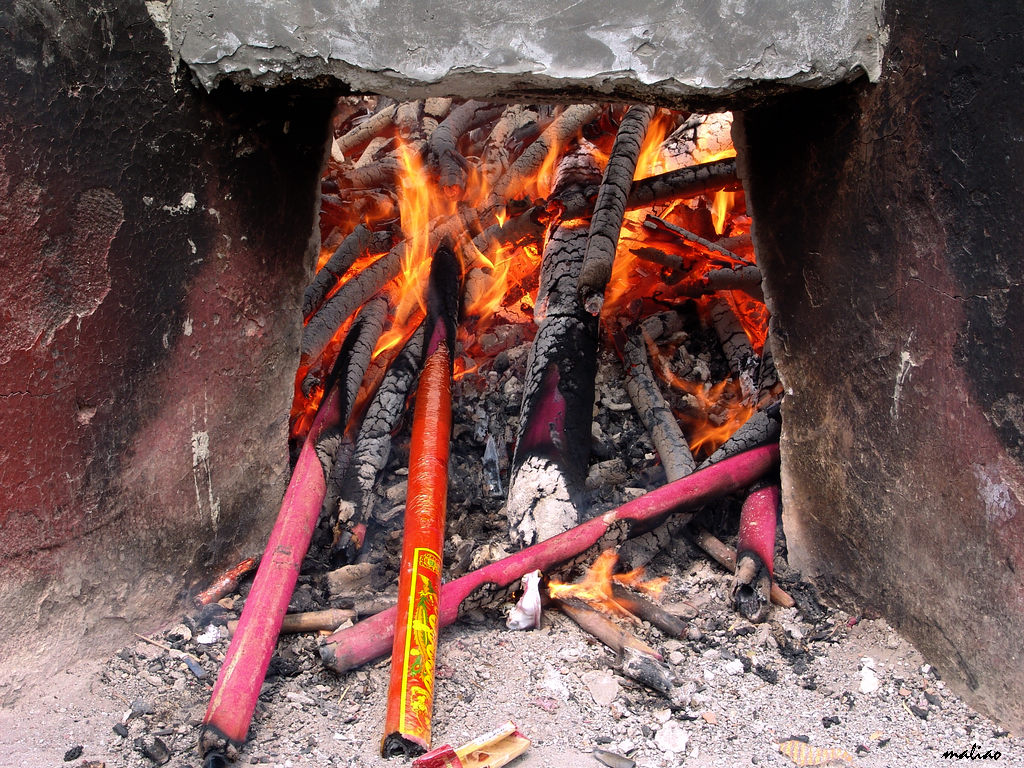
596	586
500	284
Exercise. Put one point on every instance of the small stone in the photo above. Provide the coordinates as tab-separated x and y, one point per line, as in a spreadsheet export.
671	737
692	633
120	730
73	754
662	715
675	657
154	748
868	680
921	712
734	667
142	707
602	686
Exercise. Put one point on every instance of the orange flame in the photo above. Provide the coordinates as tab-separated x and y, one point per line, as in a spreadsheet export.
596	586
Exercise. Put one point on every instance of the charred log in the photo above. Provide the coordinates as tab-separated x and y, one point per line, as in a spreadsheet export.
603	237
648	401
444	157
360	242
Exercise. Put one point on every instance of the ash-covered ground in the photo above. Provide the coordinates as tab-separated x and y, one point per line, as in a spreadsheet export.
836	680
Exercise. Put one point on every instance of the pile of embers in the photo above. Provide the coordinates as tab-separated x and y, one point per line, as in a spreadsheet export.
548	293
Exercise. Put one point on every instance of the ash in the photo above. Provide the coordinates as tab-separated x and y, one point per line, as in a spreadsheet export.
813	672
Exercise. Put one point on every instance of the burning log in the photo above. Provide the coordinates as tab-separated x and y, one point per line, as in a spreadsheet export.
549	465
700	136
237	689
310	621
372	638
683	183
348	372
604	629
725	556
603	238
741	278
372	150
755	553
373	444
411	690
360	241
763	427
650	404
444	156
224	583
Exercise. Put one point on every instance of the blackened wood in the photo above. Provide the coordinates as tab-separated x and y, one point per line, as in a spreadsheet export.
359	242
556	135
661	229
739	353
373	150
373	443
769	385
366	130
553	443
646	396
760	429
434	111
347	373
725	556
610	207
684	183
497	154
698	137
647	670
644	608
444	157
740	278
378	174
407	120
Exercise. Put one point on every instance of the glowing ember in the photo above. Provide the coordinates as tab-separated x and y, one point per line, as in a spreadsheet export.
595	588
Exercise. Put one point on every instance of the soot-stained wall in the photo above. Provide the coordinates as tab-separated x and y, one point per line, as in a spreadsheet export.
887	220
155	242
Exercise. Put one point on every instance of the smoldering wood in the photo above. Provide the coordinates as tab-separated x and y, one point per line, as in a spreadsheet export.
347	374
372	150
380	173
321	326
743	278
407	119
755	552
658	227
699	136
602	628
444	157
606	222
769	385
434	111
553	442
373	443
763	427
360	242
736	347
365	131
493	583
648	401
644	608
225	582
367	204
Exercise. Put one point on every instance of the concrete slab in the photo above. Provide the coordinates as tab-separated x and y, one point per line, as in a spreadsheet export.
654	50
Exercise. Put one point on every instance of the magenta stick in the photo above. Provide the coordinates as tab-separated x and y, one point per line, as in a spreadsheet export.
370	639
234	696
757	526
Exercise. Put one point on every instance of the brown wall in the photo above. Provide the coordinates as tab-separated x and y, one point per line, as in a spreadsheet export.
154	246
888	221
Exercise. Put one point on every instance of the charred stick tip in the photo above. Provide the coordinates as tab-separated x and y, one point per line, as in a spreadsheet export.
443	292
